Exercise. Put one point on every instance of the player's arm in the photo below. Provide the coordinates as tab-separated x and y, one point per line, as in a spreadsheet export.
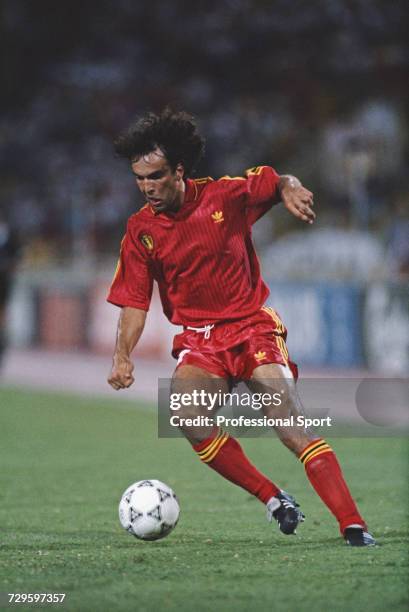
297	199
131	289
263	188
130	327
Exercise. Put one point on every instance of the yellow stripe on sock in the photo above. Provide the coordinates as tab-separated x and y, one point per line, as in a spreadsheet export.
213	451
211	444
318	452
312	447
313	451
220	443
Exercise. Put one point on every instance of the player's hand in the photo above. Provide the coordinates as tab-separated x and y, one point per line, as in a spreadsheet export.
121	373
298	200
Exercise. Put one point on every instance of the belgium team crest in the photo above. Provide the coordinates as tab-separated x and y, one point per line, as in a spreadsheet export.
147	241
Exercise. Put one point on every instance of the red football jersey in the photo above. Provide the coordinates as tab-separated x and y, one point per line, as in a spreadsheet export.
202	256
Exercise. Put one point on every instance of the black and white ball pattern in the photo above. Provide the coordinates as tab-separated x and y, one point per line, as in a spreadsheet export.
149	509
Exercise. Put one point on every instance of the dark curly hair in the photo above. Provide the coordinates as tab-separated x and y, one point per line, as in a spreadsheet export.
175	133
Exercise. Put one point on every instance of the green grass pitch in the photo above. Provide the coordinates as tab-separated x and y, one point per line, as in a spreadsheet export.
65	461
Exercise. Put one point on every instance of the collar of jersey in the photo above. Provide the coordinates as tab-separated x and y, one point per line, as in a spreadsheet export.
194	188
191	192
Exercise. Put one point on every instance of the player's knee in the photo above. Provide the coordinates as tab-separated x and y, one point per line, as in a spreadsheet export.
282	407
184	413
294	439
292	443
193	427
192	422
194	435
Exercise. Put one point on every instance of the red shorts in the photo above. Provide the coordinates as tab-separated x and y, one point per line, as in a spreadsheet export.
232	350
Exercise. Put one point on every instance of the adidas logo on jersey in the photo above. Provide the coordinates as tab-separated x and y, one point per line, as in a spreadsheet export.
218	216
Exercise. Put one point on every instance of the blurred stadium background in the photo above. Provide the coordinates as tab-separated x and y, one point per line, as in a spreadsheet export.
315	89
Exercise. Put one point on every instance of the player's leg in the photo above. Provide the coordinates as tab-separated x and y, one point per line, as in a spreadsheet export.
213	446
320	462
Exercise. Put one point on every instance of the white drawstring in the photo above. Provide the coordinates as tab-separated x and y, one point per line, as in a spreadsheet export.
206	330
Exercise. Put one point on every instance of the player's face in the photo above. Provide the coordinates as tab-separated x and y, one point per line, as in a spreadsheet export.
162	187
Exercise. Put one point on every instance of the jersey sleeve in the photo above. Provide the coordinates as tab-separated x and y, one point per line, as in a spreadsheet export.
262	191
133	280
255	192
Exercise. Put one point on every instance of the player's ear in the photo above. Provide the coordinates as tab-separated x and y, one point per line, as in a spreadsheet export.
180	172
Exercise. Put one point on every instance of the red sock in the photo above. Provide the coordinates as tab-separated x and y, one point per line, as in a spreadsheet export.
225	455
325	475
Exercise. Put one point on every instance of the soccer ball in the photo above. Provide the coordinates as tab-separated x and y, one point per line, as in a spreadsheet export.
149	510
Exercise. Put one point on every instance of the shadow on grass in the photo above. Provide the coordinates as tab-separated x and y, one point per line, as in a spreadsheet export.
392	537
24	539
